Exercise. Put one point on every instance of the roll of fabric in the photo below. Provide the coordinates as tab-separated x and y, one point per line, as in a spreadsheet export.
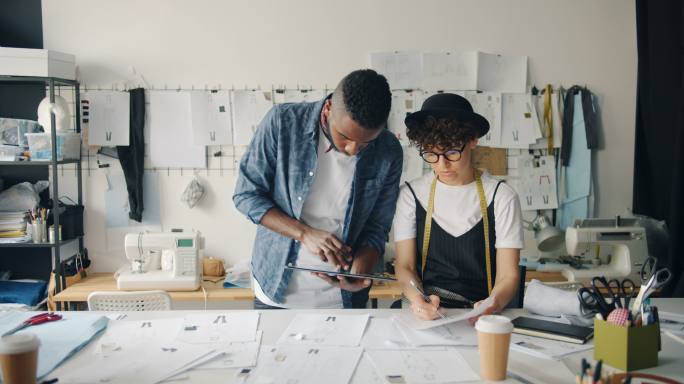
548	301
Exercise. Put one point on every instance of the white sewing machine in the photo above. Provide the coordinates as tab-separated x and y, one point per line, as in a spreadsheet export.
628	248
164	260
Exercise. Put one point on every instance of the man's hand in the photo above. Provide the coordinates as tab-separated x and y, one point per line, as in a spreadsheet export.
327	246
424	310
364	261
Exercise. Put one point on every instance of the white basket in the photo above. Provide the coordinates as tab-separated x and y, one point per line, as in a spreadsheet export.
40	146
9	152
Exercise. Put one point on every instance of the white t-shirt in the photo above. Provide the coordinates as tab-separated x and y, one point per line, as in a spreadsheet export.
457	209
324	208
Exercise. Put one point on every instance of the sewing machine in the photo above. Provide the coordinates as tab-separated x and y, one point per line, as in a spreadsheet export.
164	260
625	237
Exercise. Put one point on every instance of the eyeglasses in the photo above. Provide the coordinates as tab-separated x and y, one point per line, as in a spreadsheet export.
451	155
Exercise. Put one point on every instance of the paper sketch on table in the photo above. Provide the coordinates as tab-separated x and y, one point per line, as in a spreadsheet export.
365	372
303	364
409	319
219	328
170	126
488	104
518	116
403	70
403	103
235	355
418	366
108	117
501	73
249	109
323	329
454	334
556	102
537	182
212	123
545	348
449	70
382	333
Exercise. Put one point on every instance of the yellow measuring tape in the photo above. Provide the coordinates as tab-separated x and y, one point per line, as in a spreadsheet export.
548	118
485	221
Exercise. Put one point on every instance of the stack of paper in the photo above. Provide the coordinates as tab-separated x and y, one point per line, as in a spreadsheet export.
422	366
13	227
545	348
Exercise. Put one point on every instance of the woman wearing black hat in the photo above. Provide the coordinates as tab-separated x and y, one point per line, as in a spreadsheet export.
445	245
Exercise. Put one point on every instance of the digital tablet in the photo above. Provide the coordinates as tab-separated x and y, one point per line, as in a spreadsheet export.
375	276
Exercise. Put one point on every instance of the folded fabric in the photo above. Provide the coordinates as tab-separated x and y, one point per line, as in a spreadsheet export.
60	339
22	292
548	301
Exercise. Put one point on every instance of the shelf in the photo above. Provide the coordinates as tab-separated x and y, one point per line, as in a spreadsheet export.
45	80
38	163
38	245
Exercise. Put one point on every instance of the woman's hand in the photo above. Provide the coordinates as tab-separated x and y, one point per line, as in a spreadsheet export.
492	308
426	311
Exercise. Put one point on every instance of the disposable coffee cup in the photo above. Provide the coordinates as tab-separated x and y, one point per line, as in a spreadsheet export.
494	339
19	358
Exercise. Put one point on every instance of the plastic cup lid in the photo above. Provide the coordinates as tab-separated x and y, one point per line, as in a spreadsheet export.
18	343
494	324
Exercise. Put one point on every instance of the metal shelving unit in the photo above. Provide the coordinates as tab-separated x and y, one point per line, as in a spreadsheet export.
52	83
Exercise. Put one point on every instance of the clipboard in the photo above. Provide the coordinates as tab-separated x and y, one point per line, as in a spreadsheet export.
374	276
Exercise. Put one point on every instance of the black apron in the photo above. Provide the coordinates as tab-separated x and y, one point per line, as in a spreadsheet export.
456	264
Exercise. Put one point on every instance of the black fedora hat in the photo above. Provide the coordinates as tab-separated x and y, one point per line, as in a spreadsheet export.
449	105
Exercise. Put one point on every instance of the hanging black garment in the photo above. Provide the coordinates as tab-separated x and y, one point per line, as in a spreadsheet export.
589	112
132	157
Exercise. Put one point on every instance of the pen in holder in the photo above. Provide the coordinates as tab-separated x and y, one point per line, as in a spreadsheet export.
39	232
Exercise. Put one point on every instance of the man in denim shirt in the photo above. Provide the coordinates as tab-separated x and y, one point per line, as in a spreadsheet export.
321	180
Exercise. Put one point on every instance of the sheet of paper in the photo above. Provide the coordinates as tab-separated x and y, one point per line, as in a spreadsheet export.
413	166
454	334
449	70
170	125
403	70
235	355
382	333
305	364
417	366
488	104
109	117
321	329
545	348
672	322
501	73
409	320
518	121
537	182
249	108
403	103
127	333
365	372
212	123
219	328
557	123
299	95
149	362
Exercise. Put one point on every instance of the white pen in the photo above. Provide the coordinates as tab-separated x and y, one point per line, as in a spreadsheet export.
425	297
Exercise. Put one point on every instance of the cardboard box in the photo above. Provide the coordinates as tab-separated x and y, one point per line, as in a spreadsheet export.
37	62
626	348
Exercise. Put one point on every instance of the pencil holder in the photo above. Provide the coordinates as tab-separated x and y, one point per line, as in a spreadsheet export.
626	348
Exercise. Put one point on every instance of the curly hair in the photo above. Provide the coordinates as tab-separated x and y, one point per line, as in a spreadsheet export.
443	133
366	96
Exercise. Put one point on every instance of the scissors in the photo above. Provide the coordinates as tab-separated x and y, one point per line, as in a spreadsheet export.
592	299
652	279
624	289
35	320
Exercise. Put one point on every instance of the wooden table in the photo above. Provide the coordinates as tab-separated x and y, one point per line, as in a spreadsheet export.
78	293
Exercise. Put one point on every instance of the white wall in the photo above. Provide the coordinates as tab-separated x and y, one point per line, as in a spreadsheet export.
314	43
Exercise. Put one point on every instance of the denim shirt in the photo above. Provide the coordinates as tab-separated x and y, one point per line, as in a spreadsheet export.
277	171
